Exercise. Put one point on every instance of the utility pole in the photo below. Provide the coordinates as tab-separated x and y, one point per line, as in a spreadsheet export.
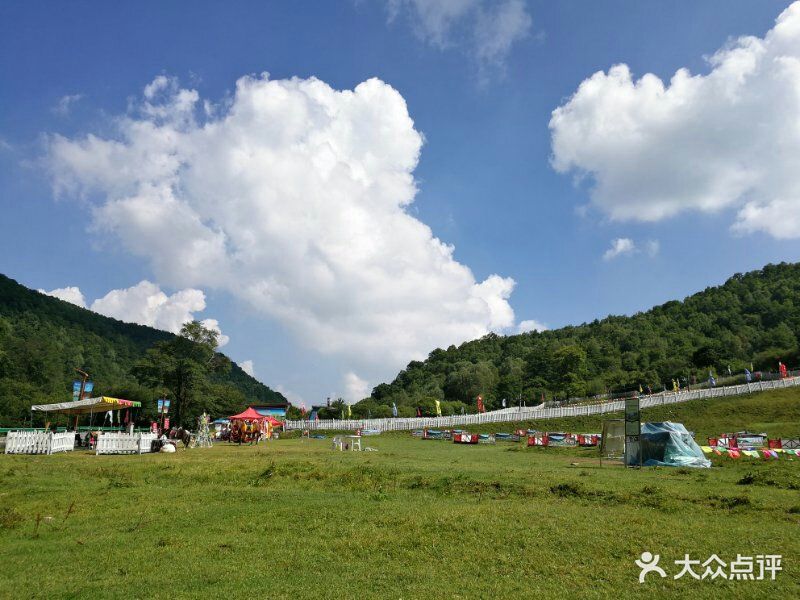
84	377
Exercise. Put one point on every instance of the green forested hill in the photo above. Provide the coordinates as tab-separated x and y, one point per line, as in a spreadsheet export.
752	318
42	339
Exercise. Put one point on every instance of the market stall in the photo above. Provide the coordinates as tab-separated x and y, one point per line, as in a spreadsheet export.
250	426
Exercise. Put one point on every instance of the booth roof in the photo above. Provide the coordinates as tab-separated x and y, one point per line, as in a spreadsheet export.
249	414
252	415
88	405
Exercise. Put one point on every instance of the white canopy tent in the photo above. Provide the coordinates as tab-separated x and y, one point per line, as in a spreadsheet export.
88	405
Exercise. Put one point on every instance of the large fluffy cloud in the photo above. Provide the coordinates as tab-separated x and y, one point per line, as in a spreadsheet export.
730	138
291	196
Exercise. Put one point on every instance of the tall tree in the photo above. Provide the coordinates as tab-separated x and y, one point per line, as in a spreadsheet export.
181	367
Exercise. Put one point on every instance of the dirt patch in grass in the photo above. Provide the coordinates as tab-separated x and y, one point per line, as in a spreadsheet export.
783	481
9	518
729	502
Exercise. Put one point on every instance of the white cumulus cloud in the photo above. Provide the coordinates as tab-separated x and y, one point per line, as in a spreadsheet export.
726	139
70	294
247	367
146	304
626	246
619	247
530	325
292	197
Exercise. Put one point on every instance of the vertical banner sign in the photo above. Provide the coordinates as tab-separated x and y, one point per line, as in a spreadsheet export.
87	389
163	407
633	429
76	390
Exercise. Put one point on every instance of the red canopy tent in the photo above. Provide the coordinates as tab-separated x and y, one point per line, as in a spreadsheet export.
252	415
249	415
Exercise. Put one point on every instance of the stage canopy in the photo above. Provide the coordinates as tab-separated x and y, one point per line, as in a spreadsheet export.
89	405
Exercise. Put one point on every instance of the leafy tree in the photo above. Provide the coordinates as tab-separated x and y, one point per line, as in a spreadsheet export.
181	366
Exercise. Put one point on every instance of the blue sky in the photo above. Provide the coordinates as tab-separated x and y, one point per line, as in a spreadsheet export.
484	176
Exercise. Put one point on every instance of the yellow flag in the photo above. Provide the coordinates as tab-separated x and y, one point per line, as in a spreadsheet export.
349	411
640	388
438	408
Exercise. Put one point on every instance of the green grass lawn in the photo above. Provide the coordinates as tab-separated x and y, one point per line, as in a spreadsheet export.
292	518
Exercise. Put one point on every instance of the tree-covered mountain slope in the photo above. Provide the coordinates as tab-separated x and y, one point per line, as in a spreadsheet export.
42	340
753	319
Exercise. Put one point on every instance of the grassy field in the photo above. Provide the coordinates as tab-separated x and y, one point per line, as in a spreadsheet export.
291	518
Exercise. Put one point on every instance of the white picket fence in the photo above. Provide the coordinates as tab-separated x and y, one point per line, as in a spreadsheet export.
508	415
125	443
39	442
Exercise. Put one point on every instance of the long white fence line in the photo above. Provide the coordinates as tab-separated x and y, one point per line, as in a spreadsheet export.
125	443
529	413
39	442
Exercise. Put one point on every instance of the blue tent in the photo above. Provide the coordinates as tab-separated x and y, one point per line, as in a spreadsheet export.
669	445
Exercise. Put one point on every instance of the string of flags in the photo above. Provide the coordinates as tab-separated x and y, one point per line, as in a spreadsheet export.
735	453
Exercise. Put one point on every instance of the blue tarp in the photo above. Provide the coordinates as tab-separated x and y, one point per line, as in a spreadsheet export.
670	445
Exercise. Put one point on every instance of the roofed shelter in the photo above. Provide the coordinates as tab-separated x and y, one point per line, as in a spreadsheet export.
87	406
248	415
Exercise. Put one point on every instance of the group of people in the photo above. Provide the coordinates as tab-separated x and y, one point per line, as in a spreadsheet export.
242	432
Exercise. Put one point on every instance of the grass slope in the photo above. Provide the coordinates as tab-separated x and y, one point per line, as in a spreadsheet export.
291	518
776	413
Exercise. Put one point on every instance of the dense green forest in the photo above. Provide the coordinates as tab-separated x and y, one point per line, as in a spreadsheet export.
753	319
43	339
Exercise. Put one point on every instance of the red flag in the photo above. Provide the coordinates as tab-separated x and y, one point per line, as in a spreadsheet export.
480	405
